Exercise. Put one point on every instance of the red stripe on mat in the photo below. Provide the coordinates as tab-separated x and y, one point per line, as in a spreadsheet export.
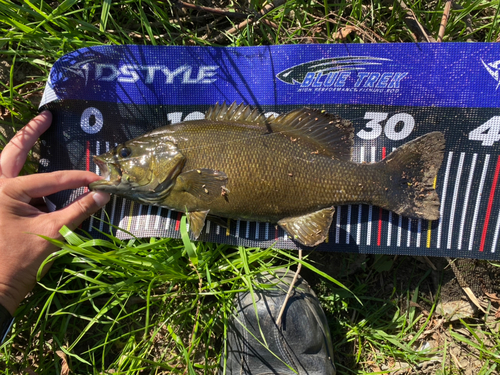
490	204
379	233
178	221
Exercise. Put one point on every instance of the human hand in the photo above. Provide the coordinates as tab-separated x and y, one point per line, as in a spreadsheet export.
22	251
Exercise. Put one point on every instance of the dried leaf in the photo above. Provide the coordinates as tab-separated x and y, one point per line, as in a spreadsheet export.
492	296
497	314
473	298
343	32
64	362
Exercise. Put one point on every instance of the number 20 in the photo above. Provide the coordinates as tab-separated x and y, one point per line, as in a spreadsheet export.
390	126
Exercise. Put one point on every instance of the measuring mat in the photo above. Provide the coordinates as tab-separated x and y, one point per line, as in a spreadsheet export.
393	93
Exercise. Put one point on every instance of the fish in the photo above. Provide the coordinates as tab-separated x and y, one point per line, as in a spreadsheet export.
291	170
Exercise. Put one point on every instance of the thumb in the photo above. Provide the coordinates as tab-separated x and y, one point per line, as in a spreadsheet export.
74	214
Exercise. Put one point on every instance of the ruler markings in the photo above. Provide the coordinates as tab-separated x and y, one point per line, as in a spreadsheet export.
443	198
130	215
389	229
138	216
87	161
247	229
97	152
158	218
458	176
113	208
348	225
478	200
256	230
490	204
370	207
122	212
408	238
207	227
238	223
400	228
337	226
266	231
419	232
495	237
466	202
380	211
148	218
360	207
168	222
178	221
429	222
379	229
390	225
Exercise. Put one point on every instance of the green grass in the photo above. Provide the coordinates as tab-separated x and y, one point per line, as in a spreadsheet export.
135	305
160	305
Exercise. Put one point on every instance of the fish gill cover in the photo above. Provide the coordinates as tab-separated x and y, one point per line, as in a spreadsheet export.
392	93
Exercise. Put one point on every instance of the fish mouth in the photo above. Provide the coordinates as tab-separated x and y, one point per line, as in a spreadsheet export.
111	174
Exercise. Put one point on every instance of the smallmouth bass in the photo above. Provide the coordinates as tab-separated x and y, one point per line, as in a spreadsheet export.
292	170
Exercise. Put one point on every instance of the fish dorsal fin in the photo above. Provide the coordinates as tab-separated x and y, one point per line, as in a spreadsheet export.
235	112
328	134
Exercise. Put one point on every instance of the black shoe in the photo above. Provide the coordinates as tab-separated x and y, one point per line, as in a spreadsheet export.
302	345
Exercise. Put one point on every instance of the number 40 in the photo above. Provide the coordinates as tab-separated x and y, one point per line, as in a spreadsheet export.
488	133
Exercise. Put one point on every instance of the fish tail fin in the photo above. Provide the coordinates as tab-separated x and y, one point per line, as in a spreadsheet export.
412	170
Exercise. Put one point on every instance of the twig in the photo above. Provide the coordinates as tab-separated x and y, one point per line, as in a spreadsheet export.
262	13
463	284
289	293
444	20
351	21
428	261
412	22
218	11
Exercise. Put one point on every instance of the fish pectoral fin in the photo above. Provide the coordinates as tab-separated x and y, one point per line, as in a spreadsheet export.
196	220
205	184
311	229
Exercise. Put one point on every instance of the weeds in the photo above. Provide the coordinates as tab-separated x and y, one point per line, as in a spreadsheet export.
160	305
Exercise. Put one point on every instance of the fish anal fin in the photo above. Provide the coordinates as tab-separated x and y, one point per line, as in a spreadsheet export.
311	229
325	133
196	220
204	184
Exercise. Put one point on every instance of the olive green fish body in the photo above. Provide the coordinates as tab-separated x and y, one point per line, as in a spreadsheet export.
291	170
270	176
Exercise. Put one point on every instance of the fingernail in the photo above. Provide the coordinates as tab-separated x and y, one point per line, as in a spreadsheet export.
100	198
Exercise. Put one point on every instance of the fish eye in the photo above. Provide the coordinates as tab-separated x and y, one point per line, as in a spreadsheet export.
125	152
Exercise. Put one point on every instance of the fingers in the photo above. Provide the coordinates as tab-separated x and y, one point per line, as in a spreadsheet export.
15	152
74	214
25	188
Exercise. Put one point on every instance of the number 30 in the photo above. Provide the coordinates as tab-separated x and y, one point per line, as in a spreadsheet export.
390	126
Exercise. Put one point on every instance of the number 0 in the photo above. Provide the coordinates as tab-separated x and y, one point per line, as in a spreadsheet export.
91	120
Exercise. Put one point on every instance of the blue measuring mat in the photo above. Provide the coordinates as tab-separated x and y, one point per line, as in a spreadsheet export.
393	93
